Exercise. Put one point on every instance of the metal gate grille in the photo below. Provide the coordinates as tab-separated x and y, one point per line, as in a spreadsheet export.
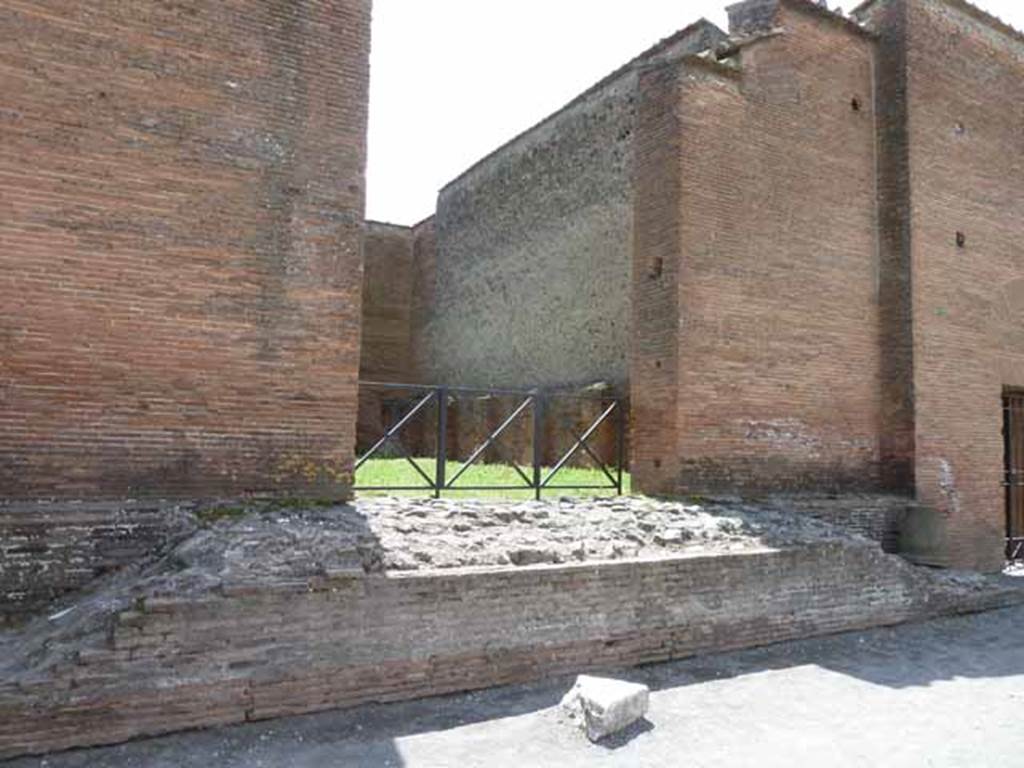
1013	435
430	403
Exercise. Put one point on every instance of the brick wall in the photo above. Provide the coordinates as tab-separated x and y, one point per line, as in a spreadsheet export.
770	346
895	279
398	294
876	516
654	337
424	249
261	652
533	247
387	303
386	354
181	226
48	550
964	75
802	317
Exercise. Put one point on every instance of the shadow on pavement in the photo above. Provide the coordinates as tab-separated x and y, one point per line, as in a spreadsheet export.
897	657
626	735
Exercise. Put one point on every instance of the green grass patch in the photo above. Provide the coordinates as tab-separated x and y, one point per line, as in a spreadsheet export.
398	472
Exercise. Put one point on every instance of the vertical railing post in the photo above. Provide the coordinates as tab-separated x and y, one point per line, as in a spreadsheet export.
620	444
538	440
442	440
1007	477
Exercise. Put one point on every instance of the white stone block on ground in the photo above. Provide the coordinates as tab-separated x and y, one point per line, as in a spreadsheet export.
603	706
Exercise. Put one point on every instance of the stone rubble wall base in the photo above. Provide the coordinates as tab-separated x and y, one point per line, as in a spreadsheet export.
175	664
877	516
50	549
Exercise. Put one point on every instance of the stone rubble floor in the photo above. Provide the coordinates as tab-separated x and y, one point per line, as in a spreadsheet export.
409	534
947	694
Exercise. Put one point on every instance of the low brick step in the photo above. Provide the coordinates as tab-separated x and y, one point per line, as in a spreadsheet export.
109	670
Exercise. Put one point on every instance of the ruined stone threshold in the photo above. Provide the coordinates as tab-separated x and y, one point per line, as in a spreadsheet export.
231	655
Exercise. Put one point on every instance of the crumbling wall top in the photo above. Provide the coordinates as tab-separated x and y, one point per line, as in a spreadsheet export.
703	29
753	16
863	11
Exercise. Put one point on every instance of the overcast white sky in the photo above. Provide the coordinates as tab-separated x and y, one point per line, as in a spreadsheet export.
451	80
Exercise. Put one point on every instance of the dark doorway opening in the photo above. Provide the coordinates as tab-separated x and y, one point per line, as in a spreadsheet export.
1013	437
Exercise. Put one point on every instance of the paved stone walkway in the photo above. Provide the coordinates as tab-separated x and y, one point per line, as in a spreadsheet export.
946	693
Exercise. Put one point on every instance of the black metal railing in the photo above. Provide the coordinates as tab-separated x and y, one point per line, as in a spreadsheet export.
533	403
1015	548
1013	466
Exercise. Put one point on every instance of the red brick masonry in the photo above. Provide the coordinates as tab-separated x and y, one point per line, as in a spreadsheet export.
181	228
273	650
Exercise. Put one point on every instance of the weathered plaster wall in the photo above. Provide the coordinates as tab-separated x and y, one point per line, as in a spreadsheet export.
181	224
765	340
534	247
